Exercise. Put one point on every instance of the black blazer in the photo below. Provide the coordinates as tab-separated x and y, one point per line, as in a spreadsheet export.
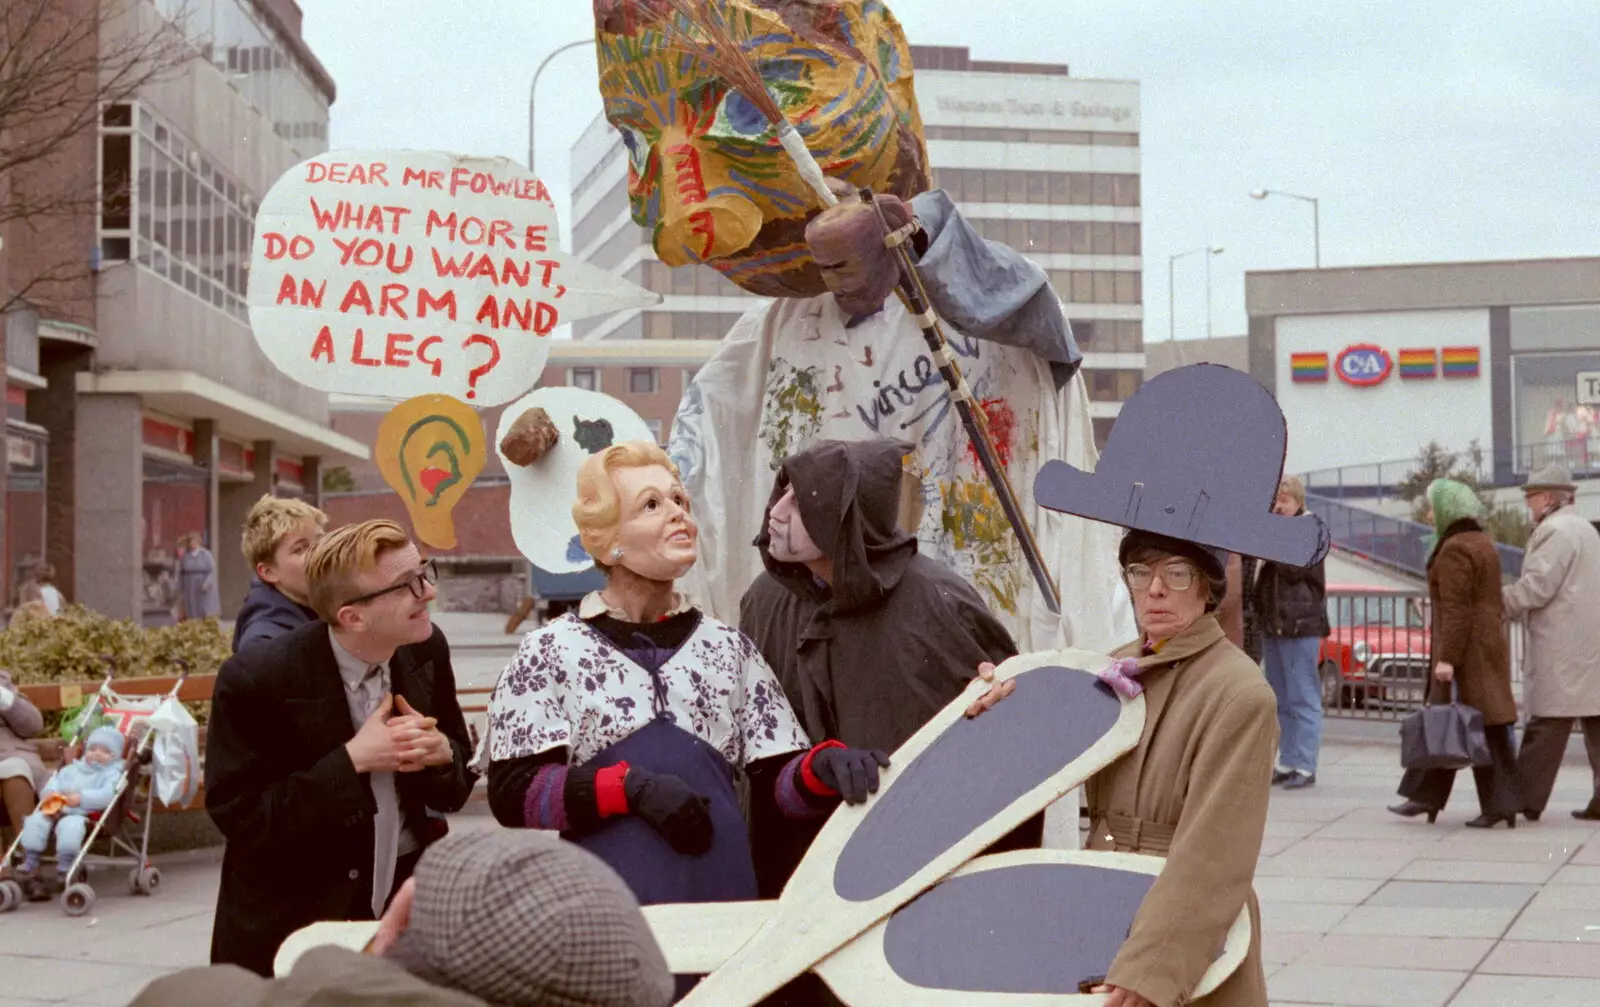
281	787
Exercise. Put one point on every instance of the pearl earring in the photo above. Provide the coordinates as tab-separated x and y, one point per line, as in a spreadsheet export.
616	553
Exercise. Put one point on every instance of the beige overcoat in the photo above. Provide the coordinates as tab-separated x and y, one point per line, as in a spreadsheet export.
1194	791
1559	594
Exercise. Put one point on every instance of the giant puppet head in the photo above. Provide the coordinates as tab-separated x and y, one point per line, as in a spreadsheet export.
706	173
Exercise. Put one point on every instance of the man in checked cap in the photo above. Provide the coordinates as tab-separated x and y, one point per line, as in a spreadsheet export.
510	918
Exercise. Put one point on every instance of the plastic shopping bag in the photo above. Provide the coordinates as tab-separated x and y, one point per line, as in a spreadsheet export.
175	758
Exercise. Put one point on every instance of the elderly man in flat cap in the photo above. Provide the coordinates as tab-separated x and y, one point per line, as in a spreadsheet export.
1558	593
500	919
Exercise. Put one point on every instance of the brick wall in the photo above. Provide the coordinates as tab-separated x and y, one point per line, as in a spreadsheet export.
659	406
482	519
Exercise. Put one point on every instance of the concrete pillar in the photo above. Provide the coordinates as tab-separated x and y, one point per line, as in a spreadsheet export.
110	494
234	502
56	409
311	478
205	456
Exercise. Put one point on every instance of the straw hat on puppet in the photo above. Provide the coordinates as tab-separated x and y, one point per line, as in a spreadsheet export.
1195	455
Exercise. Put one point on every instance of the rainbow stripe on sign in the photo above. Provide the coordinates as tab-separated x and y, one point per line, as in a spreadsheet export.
1460	361
1419	364
1308	366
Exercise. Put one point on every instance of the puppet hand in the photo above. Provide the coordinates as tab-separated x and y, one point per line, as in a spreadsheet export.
1444	672
682	816
996	692
852	773
846	241
72	800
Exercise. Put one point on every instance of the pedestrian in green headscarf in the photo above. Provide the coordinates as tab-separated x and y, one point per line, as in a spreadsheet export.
1469	649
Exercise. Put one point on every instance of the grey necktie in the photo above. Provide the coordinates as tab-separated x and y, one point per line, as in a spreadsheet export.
386	824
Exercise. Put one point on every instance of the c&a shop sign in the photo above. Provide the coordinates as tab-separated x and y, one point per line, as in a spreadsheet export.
1366	365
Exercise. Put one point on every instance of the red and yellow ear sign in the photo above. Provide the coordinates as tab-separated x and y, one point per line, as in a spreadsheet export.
430	449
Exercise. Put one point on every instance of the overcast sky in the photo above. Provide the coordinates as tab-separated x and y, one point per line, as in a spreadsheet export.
1430	130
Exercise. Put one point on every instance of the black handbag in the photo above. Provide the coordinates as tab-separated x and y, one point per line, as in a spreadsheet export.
1444	737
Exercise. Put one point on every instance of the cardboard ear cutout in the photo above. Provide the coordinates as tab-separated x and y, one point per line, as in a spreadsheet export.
1197	453
1004	929
1059	727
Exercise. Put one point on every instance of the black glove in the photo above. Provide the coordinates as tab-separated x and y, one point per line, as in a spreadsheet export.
853	772
682	816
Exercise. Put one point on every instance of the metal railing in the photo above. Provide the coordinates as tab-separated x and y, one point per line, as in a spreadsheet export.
1397	543
1376	662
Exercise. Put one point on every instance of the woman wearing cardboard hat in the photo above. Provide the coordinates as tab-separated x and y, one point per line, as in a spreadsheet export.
1195	790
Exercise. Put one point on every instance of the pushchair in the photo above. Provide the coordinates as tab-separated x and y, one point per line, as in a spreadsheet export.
122	829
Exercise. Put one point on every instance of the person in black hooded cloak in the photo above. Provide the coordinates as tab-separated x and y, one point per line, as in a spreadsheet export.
868	638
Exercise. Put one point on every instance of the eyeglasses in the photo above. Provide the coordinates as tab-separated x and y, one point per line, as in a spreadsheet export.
429	574
1177	576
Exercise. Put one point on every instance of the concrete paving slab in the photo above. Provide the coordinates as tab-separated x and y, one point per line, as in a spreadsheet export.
1574	925
1447	954
1478	870
1302	917
1575	874
1526	991
1453	895
1358	986
1410	921
1543	958
1340	891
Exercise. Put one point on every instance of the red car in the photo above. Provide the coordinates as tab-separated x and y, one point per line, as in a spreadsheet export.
1377	648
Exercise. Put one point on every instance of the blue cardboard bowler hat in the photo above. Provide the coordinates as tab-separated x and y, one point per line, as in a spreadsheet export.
1196	454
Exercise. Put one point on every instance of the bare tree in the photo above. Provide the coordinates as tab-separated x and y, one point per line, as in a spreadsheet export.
62	62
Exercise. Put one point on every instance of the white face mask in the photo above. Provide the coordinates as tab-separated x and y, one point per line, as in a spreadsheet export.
791	542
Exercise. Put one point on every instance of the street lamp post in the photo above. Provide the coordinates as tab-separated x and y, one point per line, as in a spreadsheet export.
1316	217
1172	260
534	86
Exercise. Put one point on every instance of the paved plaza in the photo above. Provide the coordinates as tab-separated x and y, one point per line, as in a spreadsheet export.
1359	907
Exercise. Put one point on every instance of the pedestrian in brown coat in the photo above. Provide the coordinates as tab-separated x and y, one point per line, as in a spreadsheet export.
1469	651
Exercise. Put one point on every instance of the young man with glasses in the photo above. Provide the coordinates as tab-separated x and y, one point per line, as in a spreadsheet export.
333	750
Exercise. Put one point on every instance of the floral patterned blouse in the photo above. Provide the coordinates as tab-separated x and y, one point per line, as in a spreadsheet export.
569	686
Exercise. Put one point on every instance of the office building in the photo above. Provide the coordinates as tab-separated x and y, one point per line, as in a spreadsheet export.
139	407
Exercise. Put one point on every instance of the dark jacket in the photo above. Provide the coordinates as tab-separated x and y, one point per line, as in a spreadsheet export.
280	785
1467	632
267	613
896	637
872	658
1291	600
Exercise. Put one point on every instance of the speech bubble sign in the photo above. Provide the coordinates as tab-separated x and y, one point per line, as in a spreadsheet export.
402	273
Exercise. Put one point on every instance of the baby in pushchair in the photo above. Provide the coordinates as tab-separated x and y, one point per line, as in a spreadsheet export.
85	785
